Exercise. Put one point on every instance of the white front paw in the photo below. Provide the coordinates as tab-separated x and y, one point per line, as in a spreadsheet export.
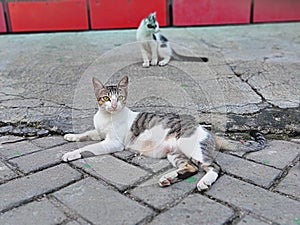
69	156
146	64
153	62
71	137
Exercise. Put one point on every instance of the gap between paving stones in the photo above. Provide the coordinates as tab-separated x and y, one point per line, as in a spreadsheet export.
41	191
238	212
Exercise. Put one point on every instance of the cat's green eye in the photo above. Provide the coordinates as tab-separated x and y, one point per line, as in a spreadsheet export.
120	97
105	98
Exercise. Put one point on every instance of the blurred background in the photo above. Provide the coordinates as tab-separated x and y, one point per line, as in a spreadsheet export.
61	15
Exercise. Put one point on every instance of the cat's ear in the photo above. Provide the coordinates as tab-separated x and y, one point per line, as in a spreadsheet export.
98	86
123	83
152	15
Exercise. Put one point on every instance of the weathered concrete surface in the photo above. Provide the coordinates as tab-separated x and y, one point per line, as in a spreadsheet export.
251	81
45	80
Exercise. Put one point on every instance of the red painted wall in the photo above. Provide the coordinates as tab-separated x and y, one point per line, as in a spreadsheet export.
48	15
276	10
106	14
2	20
203	12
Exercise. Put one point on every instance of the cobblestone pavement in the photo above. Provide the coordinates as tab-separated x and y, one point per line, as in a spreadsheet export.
251	81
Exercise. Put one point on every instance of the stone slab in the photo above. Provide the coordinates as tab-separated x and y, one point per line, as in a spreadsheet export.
195	209
38	212
250	220
81	222
125	154
48	142
23	189
102	205
42	159
155	165
278	154
10	139
254	172
259	201
11	150
112	170
289	184
161	198
6	173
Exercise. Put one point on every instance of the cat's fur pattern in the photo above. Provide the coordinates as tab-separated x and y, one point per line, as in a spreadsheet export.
154	46
187	145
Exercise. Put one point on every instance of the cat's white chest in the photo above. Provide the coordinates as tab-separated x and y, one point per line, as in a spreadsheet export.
101	123
114	126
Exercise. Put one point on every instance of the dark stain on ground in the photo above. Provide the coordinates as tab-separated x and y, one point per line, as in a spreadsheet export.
281	122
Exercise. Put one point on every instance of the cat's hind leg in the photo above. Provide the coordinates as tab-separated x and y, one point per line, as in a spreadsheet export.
185	169
212	173
165	61
91	135
165	53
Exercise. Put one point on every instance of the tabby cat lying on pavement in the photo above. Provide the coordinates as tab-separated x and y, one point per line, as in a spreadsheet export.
187	145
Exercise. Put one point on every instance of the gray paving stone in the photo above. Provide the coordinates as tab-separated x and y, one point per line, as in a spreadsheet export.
11	150
125	154
74	222
289	184
269	205
19	190
195	209
278	154
48	142
79	221
102	205
6	173
160	198
256	173
154	165
41	212
10	138
112	170
42	159
249	220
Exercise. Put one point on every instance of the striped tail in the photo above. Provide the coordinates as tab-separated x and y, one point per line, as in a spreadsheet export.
259	143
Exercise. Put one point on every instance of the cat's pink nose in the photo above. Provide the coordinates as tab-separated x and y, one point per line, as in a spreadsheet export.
114	105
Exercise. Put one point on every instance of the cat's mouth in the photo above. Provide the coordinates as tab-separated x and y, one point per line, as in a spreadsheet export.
112	110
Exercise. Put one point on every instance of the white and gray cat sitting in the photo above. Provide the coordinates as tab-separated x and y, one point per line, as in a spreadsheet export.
186	144
155	47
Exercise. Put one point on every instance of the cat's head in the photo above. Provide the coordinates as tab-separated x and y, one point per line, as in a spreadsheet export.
111	98
151	23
